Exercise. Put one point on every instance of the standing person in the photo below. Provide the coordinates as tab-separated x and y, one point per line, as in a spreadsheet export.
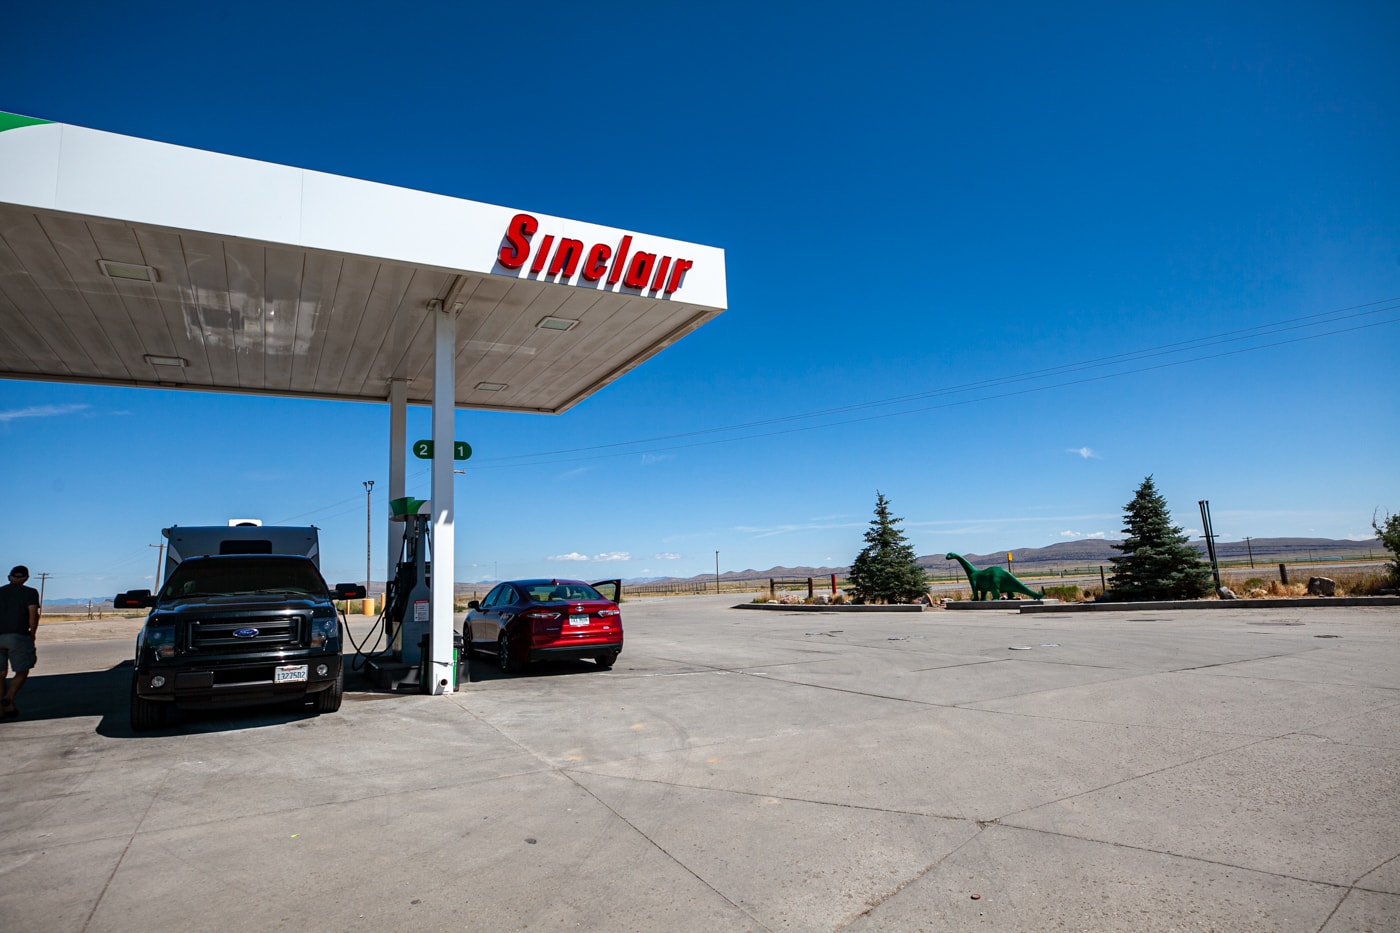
19	625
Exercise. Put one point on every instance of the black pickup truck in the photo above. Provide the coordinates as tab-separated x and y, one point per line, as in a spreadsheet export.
237	630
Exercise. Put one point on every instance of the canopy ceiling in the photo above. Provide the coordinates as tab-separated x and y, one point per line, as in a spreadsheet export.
129	262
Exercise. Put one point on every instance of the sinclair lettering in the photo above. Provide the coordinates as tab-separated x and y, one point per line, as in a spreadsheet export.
647	272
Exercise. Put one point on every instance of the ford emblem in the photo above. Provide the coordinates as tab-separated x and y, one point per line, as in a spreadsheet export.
245	633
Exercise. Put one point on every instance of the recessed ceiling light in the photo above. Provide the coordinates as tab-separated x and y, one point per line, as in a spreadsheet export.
164	360
490	386
556	323
128	270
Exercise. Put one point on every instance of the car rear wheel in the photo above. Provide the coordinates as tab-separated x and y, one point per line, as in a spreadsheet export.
328	700
505	657
145	714
605	661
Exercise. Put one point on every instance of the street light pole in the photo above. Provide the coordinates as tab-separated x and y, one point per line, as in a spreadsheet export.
369	485
1210	539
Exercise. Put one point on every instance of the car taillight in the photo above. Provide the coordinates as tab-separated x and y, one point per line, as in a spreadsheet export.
543	621
604	613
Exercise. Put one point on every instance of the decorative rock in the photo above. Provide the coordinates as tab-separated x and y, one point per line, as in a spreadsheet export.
1322	586
1225	592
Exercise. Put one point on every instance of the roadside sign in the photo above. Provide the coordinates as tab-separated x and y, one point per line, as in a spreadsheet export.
423	450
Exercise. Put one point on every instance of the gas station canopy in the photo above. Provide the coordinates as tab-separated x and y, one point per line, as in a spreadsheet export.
130	262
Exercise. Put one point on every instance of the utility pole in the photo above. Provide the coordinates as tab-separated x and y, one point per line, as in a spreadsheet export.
43	578
716	573
369	485
1249	548
160	564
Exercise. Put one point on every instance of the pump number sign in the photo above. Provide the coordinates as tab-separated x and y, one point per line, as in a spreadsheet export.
423	450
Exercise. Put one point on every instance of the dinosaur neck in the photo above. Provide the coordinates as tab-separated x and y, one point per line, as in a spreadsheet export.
967	568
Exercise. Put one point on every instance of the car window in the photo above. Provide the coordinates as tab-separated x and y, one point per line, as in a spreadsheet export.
494	597
568	592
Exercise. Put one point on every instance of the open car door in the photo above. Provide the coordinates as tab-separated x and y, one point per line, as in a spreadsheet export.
609	589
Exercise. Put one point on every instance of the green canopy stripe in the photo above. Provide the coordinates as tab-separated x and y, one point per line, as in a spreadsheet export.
11	121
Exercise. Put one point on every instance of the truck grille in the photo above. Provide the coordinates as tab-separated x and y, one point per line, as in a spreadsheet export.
267	632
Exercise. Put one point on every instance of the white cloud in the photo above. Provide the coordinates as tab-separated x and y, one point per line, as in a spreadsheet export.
39	411
656	458
1075	535
605	557
1084	453
666	555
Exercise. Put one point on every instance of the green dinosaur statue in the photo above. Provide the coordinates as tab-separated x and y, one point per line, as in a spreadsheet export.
991	582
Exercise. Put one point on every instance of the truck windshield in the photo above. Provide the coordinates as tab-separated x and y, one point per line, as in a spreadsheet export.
243	576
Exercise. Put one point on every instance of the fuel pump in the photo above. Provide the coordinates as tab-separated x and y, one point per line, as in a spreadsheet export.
408	605
410	615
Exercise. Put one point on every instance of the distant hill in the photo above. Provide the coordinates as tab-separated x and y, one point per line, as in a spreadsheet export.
1098	551
1084	553
1067	555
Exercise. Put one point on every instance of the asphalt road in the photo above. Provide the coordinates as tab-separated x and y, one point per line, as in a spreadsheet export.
1222	770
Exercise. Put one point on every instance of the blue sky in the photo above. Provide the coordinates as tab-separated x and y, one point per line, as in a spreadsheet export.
998	262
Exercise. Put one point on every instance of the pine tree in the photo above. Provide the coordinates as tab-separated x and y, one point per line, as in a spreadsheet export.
887	570
1388	531
1157	563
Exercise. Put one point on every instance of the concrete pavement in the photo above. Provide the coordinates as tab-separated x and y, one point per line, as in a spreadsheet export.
1185	770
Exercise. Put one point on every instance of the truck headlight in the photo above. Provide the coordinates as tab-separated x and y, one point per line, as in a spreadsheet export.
159	638
323	629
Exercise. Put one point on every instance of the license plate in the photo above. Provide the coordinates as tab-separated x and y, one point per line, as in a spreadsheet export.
578	620
292	673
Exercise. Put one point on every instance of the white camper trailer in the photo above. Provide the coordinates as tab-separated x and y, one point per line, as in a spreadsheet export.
248	536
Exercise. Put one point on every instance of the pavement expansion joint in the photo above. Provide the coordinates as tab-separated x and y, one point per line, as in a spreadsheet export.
1179	856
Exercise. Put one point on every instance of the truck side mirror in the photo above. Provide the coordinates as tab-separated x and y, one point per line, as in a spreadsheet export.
133	599
349	591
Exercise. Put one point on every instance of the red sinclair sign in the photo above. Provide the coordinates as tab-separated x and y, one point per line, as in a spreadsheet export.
646	272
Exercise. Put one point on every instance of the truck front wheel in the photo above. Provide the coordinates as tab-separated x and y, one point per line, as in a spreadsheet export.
328	700
145	714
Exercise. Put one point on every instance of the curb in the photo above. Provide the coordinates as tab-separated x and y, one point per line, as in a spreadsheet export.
809	607
1313	602
1011	605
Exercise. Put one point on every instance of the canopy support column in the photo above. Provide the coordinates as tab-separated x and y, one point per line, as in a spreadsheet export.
444	544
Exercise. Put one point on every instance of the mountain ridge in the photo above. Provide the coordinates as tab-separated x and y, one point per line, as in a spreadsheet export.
1084	553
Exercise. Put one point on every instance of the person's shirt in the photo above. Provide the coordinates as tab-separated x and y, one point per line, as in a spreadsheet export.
15	600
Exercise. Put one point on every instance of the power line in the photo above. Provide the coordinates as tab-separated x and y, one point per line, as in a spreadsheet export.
1200	343
1260	331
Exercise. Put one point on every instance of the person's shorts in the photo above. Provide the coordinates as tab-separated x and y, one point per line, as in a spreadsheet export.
17	651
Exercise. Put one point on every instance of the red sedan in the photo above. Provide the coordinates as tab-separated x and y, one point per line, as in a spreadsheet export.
521	621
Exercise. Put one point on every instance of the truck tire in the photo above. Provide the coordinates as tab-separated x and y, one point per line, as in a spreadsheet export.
328	700
145	714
